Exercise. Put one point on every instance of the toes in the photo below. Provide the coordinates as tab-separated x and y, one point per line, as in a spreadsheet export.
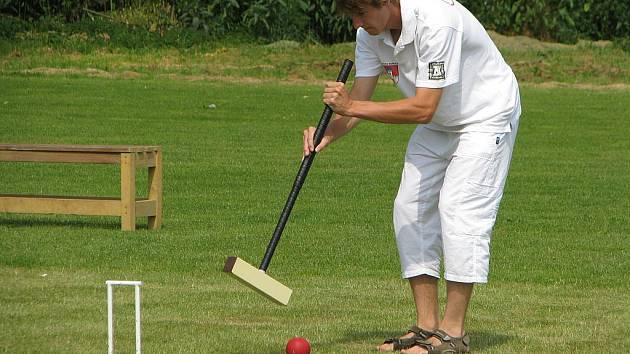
414	350
385	348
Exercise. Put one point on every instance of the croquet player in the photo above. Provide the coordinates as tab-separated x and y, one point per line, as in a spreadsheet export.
465	100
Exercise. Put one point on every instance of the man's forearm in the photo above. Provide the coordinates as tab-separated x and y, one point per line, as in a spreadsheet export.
341	125
412	110
406	111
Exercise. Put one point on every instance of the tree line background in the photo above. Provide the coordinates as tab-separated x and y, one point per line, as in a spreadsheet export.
563	21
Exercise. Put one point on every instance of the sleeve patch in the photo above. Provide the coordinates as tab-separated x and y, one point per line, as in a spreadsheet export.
436	71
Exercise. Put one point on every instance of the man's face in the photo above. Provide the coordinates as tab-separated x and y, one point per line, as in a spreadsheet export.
373	20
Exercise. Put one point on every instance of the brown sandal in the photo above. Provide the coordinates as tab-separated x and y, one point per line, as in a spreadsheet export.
449	344
420	336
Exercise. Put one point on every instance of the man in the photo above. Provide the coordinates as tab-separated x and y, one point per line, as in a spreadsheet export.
466	101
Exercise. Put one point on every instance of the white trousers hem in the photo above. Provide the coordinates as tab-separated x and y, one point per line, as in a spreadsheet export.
420	271
465	279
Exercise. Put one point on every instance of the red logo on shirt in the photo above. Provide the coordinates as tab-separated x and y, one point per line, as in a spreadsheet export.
391	69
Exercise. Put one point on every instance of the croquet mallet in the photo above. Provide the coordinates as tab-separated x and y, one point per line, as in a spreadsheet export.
258	279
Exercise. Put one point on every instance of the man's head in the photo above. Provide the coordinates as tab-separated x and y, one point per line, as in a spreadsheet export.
373	15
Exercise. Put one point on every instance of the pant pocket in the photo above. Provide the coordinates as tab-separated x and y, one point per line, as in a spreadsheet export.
476	209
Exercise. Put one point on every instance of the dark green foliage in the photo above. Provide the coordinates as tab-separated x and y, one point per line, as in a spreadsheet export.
275	19
326	23
605	19
9	26
70	9
210	16
269	20
86	34
265	19
560	20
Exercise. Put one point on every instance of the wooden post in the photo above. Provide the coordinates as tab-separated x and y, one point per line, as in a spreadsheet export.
128	191
155	191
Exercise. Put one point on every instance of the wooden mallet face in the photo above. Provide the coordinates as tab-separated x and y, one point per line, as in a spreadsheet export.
258	280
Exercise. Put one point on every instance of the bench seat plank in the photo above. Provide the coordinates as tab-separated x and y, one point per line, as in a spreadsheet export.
143	159
56	156
79	148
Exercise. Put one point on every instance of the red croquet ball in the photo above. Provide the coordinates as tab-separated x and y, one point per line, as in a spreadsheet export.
298	345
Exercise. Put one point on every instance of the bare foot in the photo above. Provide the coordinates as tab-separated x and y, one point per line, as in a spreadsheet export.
419	349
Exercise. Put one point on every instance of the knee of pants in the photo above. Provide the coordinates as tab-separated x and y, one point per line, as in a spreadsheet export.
403	213
401	203
414	207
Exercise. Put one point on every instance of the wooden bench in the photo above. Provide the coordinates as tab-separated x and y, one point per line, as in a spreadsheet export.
127	206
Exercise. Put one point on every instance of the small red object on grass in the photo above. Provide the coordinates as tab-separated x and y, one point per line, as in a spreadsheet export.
298	345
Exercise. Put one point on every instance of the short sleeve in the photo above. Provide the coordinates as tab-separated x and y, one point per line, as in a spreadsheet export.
439	57
367	62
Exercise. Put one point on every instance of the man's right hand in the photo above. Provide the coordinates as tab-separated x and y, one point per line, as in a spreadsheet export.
362	90
309	144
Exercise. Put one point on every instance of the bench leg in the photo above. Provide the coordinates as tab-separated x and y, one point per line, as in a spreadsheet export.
155	191
128	191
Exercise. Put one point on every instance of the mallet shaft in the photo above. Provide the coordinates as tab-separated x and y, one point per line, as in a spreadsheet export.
303	172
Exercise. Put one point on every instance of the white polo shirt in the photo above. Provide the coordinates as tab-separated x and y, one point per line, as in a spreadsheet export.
442	45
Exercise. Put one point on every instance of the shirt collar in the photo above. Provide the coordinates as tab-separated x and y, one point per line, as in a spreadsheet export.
409	15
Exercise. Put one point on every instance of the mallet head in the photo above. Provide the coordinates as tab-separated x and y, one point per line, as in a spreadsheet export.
258	280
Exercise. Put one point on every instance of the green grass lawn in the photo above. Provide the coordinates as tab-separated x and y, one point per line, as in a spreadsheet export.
560	272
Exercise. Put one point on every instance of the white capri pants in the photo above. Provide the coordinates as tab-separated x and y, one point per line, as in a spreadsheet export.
447	203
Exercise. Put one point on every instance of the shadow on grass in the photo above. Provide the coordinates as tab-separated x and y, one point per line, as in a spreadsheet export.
368	339
43	222
480	340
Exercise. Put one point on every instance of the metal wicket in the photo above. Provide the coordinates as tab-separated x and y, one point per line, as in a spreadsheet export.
110	312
